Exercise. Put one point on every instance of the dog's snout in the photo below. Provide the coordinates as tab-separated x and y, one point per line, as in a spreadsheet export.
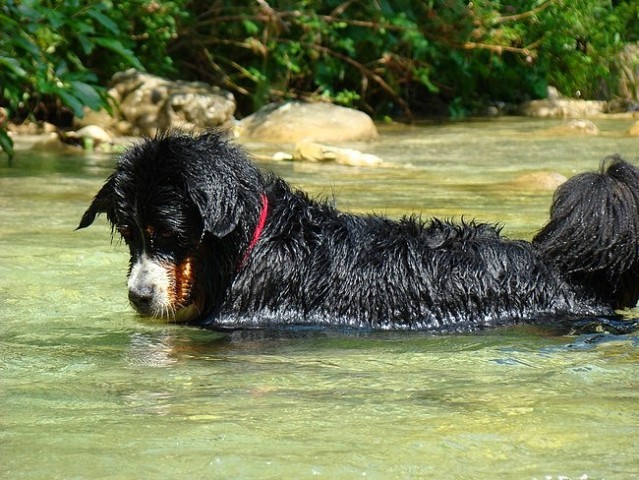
148	286
142	298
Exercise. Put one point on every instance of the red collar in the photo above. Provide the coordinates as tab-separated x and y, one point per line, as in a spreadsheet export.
257	233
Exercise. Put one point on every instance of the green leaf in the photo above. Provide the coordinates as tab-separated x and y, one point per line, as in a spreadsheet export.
8	21
29	14
61	69
87	94
251	27
423	75
55	19
103	20
116	47
6	143
85	43
72	102
27	44
13	65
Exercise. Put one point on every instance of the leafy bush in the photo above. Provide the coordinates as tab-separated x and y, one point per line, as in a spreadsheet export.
56	56
42	46
396	57
389	57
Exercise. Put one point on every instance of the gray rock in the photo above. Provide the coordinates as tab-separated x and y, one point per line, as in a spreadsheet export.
556	105
90	132
317	152
90	137
563	108
292	122
196	108
146	103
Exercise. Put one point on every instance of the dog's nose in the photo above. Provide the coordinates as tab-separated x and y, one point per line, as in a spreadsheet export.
141	298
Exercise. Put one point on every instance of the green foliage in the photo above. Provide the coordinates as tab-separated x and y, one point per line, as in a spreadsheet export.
42	46
148	27
403	57
56	56
579	56
390	57
5	143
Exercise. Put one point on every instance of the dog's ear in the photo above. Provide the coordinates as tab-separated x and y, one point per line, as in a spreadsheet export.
219	208
221	182
102	203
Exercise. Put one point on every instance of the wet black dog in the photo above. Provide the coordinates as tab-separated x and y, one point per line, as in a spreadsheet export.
216	242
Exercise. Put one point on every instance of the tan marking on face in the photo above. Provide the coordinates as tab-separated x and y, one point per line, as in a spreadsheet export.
184	278
173	298
187	299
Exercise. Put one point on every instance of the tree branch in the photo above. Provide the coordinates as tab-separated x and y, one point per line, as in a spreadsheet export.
521	16
499	49
367	73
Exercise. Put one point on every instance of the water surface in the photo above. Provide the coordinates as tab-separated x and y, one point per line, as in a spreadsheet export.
89	390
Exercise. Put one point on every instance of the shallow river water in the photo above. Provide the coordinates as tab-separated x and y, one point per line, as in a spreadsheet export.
90	390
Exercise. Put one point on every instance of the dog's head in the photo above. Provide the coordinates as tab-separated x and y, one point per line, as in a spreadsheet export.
185	206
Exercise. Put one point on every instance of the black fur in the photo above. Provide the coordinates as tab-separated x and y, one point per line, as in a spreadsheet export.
314	265
593	231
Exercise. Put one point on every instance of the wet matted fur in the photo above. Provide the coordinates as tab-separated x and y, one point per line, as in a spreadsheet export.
215	241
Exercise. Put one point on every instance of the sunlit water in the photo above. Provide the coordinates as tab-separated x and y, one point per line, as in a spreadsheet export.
89	390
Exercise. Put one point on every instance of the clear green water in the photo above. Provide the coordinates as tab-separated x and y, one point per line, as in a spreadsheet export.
89	390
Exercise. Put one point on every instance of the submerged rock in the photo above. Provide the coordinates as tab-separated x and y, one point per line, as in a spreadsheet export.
317	152
634	130
92	132
575	127
88	137
539	181
293	122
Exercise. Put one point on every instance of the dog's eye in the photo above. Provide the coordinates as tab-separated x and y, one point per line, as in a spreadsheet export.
167	233
125	231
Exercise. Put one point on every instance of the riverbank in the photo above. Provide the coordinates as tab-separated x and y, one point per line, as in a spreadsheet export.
144	104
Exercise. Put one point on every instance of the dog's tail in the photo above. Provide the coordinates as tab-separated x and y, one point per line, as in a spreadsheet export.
593	232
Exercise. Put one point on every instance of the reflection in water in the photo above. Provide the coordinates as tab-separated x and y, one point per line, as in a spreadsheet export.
88	390
149	351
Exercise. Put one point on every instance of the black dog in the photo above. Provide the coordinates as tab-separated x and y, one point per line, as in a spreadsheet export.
216	242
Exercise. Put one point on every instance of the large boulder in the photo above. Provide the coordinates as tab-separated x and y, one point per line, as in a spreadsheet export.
146	103
292	122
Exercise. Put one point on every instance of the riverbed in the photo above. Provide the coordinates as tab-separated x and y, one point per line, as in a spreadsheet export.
90	390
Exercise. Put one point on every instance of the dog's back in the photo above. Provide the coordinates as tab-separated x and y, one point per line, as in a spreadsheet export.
334	268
